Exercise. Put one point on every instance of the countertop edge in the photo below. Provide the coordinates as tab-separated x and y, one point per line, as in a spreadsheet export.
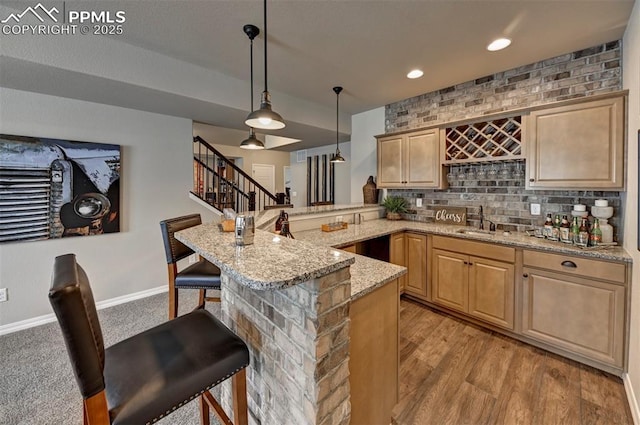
407	226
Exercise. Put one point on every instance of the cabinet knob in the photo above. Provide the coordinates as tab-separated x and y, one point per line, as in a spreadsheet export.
568	263
532	180
465	263
525	275
471	264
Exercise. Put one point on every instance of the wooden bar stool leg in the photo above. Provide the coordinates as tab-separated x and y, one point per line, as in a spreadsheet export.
173	292
239	394
201	298
204	411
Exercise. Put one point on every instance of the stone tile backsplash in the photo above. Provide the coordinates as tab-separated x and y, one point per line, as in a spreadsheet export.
586	72
502	194
503	198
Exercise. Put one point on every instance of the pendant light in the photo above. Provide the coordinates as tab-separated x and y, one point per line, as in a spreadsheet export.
264	117
251	142
337	157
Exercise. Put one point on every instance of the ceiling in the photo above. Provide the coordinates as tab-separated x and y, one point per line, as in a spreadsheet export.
366	46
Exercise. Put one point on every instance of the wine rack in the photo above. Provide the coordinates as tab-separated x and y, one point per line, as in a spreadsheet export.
496	140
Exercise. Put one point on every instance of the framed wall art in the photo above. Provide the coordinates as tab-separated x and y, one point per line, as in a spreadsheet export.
52	188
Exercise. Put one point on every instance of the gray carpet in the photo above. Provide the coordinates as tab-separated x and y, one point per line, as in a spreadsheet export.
37	385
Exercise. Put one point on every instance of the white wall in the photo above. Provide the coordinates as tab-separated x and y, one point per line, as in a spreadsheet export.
343	175
221	141
631	82
156	179
364	127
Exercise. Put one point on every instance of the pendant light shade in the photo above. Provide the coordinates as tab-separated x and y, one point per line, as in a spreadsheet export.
265	117
337	157
251	142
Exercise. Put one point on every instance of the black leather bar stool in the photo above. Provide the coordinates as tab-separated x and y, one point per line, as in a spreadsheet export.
146	377
201	275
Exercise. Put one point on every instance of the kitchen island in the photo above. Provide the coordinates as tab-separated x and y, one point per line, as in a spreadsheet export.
321	325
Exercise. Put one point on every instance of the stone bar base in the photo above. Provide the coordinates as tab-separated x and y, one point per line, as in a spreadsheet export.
298	339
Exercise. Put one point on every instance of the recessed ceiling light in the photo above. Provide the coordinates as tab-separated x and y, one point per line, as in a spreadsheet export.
498	44
416	73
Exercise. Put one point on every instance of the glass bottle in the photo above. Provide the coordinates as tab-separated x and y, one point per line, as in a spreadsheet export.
555	231
548	226
565	230
583	235
575	231
596	234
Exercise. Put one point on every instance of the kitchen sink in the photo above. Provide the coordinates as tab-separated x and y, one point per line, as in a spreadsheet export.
474	232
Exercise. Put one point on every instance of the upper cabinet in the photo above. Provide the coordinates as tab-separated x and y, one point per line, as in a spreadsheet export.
577	146
410	160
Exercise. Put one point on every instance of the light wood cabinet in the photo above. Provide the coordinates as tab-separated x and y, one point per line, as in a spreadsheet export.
410	160
397	256
450	278
478	286
565	308
416	263
410	250
374	356
579	145
491	291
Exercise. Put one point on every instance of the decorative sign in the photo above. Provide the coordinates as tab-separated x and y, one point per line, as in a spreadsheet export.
451	215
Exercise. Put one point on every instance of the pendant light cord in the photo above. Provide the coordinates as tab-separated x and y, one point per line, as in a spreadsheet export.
251	61
265	46
337	117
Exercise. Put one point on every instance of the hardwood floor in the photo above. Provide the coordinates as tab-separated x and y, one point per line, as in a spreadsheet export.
452	372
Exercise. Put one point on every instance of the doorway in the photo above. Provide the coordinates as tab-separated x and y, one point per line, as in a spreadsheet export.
265	175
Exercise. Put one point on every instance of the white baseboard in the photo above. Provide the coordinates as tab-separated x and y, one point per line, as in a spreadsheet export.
47	318
632	399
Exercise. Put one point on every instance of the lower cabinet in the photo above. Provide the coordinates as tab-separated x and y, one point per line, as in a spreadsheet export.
410	250
563	308
397	256
480	287
416	257
374	355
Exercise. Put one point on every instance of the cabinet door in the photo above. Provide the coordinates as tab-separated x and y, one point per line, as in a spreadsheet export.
416	263
491	291
577	146
397	256
581	315
390	162
449	278
422	159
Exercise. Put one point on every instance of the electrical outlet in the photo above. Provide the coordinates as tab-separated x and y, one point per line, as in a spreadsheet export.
418	202
4	295
193	258
535	209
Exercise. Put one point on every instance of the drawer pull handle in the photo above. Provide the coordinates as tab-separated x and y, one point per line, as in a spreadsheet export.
471	264
465	263
525	275
568	263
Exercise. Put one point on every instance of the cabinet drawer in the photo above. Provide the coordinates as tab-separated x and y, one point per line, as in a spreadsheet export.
578	266
480	249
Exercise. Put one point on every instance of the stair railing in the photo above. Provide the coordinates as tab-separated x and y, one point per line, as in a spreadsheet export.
222	184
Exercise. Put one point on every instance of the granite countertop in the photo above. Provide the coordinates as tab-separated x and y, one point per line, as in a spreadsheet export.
271	262
374	228
268	217
368	274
